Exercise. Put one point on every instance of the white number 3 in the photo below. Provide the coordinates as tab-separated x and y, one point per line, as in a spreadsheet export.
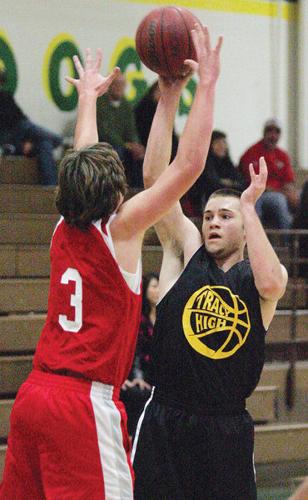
76	301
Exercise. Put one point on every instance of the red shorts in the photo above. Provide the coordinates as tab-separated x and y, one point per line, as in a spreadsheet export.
68	440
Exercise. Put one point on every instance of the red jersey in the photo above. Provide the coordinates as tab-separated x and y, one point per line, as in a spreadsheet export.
93	314
280	171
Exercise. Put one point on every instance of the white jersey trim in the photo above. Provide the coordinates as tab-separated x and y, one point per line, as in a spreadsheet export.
118	481
135	444
58	223
133	280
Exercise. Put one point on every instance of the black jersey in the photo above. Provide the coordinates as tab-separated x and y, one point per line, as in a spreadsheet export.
208	344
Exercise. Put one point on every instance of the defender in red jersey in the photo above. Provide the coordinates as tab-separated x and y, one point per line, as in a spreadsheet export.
68	437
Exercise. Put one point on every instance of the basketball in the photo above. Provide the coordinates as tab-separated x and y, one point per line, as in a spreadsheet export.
163	40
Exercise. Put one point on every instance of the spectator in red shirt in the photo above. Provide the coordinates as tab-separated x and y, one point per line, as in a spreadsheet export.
280	197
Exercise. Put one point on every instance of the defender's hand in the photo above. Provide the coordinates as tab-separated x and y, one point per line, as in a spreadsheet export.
90	80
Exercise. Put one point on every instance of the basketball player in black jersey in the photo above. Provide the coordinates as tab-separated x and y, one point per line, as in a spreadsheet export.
195	438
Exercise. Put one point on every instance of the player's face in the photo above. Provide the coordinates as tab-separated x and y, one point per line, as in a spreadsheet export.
223	229
220	147
271	137
153	291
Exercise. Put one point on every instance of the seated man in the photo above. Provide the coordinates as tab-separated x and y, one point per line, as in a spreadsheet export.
21	134
280	195
116	125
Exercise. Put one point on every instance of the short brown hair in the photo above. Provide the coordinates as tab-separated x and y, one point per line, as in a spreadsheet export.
226	192
90	183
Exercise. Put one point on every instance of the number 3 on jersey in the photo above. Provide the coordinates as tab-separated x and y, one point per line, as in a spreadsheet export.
76	301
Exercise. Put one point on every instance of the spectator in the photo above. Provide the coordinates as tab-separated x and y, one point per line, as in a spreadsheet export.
68	134
136	389
116	125
25	137
219	173
144	113
280	197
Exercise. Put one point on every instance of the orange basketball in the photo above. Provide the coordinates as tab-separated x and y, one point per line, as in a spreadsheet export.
163	40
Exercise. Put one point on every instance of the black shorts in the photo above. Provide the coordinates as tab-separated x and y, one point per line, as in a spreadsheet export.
181	456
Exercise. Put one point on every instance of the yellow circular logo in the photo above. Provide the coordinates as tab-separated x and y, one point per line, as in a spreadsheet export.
215	322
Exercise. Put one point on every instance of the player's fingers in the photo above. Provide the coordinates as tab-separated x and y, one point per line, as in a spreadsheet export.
252	172
107	81
219	43
114	73
99	58
78	66
71	80
207	41
195	39
192	65
89	61
263	168
262	163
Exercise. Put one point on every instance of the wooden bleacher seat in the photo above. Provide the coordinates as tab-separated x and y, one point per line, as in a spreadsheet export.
20	261
23	295
27	228
263	404
5	411
279	330
281	442
19	333
13	372
2	458
18	170
15	198
275	374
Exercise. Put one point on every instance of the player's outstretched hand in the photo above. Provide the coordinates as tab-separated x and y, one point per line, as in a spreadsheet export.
208	59
257	184
173	86
90	80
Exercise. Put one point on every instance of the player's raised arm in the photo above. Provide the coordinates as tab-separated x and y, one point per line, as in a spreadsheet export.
269	275
90	86
189	162
159	143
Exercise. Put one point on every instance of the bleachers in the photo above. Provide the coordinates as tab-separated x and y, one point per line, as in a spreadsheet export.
18	170
27	220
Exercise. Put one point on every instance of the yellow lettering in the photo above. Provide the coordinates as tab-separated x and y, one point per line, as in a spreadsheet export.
212	322
200	300
223	311
220	323
200	320
215	305
208	300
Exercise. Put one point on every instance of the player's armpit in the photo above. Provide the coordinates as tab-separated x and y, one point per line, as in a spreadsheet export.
268	309
176	232
171	268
